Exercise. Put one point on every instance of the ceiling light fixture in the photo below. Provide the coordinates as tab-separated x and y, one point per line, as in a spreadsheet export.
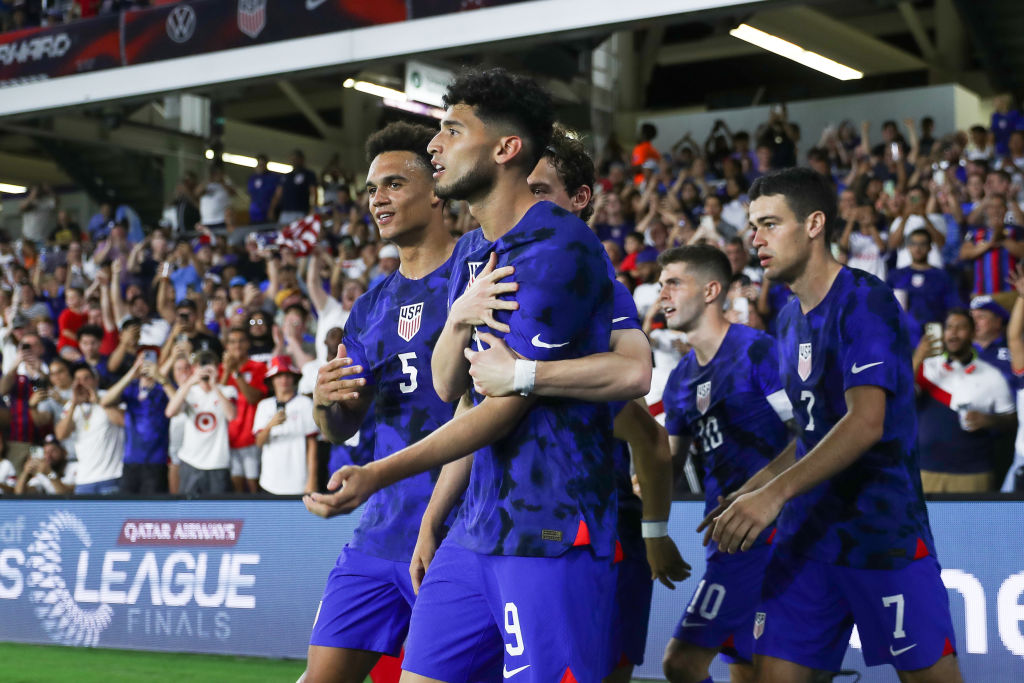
784	48
8	188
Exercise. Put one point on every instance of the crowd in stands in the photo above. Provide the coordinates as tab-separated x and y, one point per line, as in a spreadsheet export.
181	357
22	14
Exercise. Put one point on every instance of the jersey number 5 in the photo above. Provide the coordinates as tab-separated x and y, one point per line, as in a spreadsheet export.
408	369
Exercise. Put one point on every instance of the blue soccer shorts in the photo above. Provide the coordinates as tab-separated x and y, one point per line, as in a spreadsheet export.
720	614
633	591
366	604
534	619
808	610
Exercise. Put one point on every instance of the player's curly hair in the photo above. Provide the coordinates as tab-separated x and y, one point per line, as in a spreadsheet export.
512	101
573	164
400	136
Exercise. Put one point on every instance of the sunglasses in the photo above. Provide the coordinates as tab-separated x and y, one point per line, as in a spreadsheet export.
257	322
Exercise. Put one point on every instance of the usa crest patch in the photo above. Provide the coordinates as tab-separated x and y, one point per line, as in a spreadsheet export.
803	366
759	618
703	397
409	319
252	16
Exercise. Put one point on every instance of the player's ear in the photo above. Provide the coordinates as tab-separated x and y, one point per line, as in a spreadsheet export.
509	147
581	198
815	224
712	290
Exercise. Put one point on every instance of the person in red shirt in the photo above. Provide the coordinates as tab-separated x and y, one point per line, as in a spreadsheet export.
71	318
644	151
248	376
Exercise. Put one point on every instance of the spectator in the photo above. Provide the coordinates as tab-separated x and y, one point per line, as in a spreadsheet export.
713	216
989	339
1005	120
262	348
914	217
48	471
89	339
214	198
294	340
985	246
8	475
189	278
39	214
247	377
962	402
180	369
329	310
608	220
29	413
98	434
99	223
205	458
924	291
387	263
297	192
644	151
72	318
1014	480
25	302
262	186
861	242
739	260
145	395
286	434
646	292
330	351
66	231
188	327
183	213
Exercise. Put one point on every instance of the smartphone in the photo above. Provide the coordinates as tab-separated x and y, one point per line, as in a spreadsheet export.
894	151
35	452
166	270
149	356
934	332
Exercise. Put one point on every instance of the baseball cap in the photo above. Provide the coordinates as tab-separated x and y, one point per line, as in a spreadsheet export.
237	281
987	303
279	364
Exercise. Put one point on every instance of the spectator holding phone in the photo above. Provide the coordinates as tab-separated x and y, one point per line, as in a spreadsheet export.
48	471
285	432
246	375
209	406
28	412
145	395
98	432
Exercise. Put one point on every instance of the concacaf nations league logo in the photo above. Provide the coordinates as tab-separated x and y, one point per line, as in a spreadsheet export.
61	617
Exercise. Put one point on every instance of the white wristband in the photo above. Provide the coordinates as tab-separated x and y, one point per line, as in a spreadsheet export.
524	376
654	529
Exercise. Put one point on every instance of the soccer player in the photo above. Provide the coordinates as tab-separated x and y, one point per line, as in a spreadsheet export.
385	358
528	563
565	176
853	545
725	397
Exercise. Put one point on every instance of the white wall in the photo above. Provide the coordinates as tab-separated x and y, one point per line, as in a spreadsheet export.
952	107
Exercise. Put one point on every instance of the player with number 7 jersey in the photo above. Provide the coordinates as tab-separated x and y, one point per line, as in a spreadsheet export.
725	397
388	340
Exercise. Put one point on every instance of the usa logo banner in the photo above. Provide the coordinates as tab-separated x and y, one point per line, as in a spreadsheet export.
301	236
409	319
252	16
703	397
803	366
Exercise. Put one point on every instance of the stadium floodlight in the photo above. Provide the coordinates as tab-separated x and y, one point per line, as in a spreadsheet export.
250	162
369	88
8	188
415	107
784	48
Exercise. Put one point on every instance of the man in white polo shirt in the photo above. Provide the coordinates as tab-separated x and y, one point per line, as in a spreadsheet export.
286	433
98	434
204	454
962	403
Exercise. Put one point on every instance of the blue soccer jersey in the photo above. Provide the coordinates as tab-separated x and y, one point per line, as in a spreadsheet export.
391	333
549	484
734	409
626	317
930	292
872	514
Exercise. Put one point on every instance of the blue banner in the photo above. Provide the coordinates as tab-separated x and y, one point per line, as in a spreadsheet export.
211	576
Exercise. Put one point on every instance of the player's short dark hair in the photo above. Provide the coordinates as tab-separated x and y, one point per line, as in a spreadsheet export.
91	331
705	259
399	136
572	163
511	101
805	192
962	312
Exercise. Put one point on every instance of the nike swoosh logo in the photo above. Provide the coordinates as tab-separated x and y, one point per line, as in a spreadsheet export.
897	653
313	4
857	369
505	673
619	320
543	345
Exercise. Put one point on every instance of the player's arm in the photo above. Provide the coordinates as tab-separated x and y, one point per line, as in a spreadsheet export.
863	425
622	374
1015	328
451	483
475	306
340	398
483	424
652	459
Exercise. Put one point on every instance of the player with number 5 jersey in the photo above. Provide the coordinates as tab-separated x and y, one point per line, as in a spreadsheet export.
725	397
385	358
853	544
